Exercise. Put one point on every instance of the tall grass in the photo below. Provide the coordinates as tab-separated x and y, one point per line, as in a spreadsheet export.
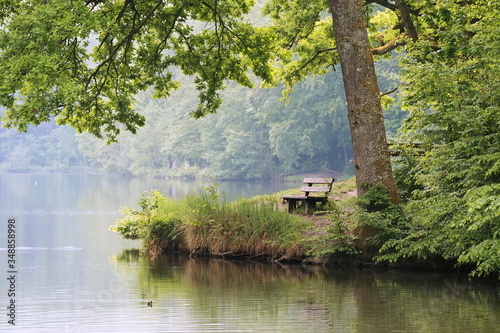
206	224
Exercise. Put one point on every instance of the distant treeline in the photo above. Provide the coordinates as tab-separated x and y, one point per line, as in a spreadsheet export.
255	135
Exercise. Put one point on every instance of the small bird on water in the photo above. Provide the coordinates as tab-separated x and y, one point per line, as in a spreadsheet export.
150	304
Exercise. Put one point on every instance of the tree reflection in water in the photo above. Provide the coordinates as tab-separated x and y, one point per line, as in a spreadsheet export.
257	296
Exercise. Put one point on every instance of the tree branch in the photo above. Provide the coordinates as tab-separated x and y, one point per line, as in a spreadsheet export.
383	3
170	29
406	19
219	19
390	91
127	39
398	41
297	37
314	58
392	6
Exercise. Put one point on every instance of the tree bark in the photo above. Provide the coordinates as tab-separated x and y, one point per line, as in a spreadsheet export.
366	122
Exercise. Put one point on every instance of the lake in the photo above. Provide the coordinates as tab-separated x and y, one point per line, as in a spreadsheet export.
74	275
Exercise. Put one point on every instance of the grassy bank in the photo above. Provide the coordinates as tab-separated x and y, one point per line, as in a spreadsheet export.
206	224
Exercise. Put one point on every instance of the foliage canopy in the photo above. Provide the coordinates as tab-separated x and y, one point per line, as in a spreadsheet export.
84	61
453	99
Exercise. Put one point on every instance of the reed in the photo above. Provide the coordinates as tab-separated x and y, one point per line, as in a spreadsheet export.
206	224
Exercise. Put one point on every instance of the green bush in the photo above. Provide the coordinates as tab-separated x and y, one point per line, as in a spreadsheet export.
148	224
379	221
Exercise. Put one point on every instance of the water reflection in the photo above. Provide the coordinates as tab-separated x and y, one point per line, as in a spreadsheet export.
253	296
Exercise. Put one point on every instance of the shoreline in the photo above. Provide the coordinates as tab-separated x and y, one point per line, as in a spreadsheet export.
261	229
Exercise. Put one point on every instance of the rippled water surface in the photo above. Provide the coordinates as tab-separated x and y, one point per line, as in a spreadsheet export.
73	275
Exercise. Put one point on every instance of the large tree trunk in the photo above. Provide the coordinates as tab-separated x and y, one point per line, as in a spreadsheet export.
369	142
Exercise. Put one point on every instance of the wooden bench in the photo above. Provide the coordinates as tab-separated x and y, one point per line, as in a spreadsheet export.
317	190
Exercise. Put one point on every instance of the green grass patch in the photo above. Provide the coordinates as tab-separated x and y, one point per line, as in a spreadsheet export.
206	224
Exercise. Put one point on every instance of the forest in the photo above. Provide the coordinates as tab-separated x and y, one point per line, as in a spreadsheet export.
255	135
437	71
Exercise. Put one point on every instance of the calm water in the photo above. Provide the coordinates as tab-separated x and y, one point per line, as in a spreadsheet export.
73	275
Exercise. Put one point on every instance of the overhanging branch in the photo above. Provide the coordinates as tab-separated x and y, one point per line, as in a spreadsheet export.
314	58
125	40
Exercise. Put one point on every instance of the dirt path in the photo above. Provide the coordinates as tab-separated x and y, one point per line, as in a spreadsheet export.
322	221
